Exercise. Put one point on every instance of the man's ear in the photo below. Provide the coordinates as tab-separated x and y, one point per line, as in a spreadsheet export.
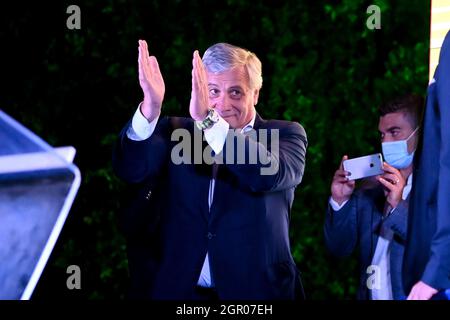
255	97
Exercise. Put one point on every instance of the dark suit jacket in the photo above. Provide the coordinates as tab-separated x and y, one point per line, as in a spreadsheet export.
246	230
358	224
427	255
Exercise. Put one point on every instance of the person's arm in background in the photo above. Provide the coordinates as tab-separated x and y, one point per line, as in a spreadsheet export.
437	271
141	150
340	228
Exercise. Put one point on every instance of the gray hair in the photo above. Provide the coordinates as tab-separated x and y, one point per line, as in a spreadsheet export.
223	56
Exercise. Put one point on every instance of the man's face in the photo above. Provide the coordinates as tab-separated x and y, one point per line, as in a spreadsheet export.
395	126
230	93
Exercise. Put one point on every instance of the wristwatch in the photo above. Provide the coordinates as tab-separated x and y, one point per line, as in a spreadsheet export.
212	117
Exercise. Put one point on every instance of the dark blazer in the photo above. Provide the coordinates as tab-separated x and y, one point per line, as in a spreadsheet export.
246	231
427	255
358	224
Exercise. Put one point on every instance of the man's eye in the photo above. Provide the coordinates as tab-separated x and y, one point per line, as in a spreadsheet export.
213	92
235	93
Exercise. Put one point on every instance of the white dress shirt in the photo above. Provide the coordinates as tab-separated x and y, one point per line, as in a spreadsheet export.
142	129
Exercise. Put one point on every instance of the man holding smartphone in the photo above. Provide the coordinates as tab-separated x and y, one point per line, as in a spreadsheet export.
374	217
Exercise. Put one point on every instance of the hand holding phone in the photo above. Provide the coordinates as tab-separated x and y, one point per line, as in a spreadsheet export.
394	183
341	187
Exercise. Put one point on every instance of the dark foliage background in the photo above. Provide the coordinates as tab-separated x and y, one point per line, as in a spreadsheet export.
322	67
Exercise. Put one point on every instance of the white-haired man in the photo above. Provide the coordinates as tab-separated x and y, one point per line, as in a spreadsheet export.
222	227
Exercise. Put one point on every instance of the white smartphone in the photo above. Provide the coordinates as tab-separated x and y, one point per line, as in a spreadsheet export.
365	166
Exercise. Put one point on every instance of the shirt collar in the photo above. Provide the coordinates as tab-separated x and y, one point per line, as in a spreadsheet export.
249	126
407	188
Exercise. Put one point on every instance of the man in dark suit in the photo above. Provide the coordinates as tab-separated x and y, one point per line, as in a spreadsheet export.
374	217
223	204
427	255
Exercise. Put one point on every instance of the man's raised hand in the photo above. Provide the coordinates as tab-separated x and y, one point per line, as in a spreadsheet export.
198	107
151	81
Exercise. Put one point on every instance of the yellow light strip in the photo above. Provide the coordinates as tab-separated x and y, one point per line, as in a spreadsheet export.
440	24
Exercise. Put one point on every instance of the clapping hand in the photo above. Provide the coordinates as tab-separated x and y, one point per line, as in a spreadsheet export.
198	107
151	81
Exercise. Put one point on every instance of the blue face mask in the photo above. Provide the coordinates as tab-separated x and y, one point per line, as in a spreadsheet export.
396	152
